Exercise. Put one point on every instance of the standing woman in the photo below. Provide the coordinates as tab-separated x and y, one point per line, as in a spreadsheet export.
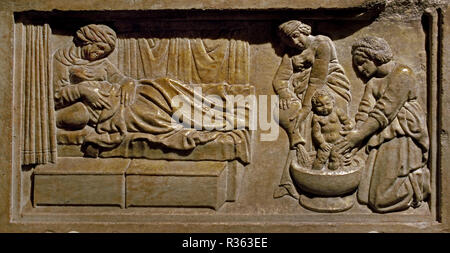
392	125
310	63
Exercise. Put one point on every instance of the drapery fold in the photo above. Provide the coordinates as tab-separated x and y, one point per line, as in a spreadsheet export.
38	119
189	60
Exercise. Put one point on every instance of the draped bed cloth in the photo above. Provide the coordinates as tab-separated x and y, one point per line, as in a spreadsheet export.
188	60
37	119
164	69
147	124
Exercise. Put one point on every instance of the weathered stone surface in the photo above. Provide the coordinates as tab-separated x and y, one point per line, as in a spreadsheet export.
22	5
444	82
189	184
235	175
87	190
104	157
75	181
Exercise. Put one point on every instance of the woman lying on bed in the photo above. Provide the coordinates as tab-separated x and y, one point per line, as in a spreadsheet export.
90	90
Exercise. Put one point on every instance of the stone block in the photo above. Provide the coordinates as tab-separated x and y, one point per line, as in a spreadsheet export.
181	184
78	181
234	180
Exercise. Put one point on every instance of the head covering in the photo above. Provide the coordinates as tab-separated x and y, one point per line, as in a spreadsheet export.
96	33
85	35
291	26
373	48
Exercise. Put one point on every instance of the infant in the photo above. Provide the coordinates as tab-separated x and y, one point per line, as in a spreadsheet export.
93	77
329	123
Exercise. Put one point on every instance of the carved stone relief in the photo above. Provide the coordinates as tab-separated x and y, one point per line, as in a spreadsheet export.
158	116
101	112
314	95
389	122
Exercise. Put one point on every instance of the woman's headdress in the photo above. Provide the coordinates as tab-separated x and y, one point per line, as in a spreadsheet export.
291	26
96	33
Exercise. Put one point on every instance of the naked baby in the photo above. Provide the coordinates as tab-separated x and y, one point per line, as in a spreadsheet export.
329	124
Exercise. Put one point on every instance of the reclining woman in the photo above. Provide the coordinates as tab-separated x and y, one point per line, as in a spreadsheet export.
90	90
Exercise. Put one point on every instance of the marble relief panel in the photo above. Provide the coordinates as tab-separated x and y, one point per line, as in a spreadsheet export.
285	117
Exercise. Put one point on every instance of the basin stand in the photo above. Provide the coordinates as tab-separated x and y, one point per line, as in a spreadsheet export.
327	204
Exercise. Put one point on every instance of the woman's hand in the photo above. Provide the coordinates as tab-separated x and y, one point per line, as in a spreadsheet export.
326	147
128	93
93	97
351	141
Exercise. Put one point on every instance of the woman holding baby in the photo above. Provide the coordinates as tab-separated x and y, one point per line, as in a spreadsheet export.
91	91
390	122
310	63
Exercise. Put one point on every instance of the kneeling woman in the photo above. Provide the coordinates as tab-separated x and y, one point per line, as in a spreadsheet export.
392	125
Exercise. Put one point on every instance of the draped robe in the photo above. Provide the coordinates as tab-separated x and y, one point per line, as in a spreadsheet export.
151	114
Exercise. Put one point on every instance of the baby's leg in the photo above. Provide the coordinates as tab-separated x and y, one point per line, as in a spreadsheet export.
321	159
336	160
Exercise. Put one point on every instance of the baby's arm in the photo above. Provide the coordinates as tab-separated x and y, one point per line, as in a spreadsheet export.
344	119
317	134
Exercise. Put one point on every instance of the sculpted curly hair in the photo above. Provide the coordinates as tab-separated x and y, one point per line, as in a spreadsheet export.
373	48
320	93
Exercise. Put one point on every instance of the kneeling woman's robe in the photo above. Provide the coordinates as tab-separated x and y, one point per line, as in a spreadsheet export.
396	174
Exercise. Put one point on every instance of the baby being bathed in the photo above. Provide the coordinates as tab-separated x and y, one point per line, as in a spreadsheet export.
329	124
